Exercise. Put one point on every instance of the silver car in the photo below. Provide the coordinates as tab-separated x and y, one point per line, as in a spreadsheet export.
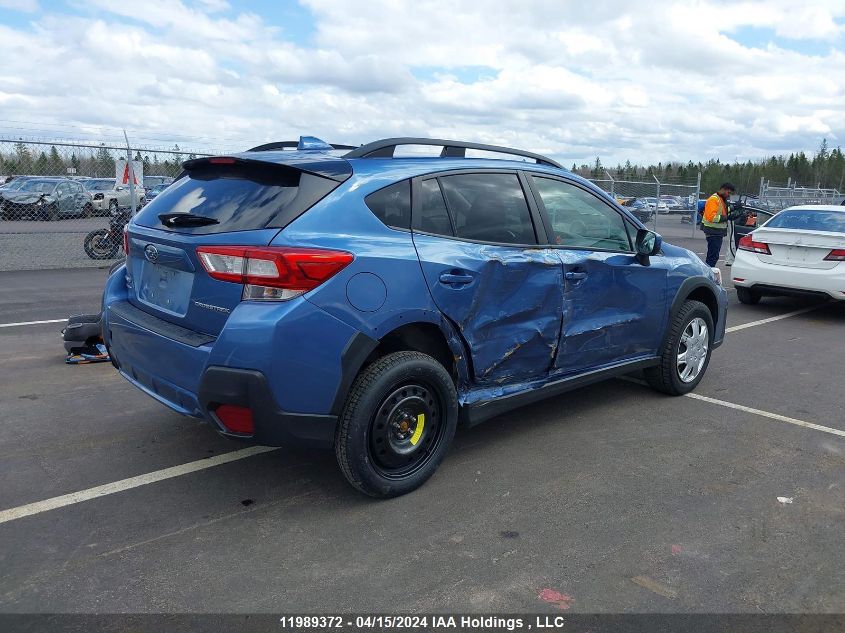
108	197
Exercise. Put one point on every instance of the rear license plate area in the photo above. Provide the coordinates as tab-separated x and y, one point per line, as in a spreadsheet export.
165	288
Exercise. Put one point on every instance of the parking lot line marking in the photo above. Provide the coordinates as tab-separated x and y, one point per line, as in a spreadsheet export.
766	414
33	322
741	407
736	328
132	482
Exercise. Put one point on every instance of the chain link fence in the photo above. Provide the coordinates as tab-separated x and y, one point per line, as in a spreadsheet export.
64	205
667	206
779	196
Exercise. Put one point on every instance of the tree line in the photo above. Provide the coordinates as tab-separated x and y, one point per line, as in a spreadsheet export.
99	163
826	169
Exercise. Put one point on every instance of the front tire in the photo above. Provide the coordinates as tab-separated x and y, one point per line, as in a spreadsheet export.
398	422
686	352
748	296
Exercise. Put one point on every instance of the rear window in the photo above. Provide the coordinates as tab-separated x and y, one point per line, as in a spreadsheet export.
392	205
832	221
239	197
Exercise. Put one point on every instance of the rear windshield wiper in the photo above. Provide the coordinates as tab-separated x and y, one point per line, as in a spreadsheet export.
186	219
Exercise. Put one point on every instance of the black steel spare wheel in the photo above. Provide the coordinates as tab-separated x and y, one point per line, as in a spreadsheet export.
398	421
405	430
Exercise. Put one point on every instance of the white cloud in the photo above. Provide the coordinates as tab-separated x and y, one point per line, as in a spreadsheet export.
662	81
27	6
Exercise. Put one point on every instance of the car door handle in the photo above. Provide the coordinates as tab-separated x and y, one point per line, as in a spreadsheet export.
573	276
451	278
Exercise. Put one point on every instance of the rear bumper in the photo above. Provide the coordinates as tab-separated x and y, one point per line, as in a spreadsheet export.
287	371
273	427
774	279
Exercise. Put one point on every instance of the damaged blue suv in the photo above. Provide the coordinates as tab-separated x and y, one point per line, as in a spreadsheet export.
369	303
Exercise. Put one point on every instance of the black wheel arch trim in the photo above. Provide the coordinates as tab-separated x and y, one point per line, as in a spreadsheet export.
688	286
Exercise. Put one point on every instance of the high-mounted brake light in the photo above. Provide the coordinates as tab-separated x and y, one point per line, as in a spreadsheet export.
836	255
272	273
222	160
747	243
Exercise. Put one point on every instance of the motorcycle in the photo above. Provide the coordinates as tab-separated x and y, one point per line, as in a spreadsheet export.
104	243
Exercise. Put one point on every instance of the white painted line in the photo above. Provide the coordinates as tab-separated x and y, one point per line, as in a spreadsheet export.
766	414
740	407
736	328
133	482
33	322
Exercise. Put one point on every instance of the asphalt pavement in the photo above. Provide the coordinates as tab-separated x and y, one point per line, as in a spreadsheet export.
608	499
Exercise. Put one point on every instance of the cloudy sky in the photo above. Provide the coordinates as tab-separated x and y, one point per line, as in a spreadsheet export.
644	81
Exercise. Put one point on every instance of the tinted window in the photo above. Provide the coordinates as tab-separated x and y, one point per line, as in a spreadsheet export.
833	221
580	219
433	216
489	208
239	197
392	205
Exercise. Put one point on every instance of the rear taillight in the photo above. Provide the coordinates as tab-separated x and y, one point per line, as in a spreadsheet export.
747	243
836	255
272	273
126	240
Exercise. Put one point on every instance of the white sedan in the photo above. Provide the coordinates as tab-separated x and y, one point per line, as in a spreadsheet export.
799	251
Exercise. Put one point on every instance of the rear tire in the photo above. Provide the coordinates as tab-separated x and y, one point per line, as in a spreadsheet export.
98	245
397	424
748	296
88	211
686	353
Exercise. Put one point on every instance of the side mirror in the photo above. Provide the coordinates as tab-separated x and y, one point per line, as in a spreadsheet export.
119	188
648	243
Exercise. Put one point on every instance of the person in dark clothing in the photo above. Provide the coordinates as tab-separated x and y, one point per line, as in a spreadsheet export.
714	222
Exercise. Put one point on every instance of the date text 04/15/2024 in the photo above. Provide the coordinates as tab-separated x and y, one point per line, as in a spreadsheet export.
382	622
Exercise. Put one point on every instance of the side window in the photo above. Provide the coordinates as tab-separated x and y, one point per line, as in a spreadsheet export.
61	190
580	219
489	208
392	205
433	216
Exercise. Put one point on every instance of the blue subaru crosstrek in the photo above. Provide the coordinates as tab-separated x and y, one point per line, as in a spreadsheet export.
368	303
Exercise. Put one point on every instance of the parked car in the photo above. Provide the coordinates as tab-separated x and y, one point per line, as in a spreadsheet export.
674	204
153	192
15	182
302	297
639	209
798	251
653	203
153	181
108	197
45	199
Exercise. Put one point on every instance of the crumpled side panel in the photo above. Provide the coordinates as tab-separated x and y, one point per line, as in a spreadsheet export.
509	316
617	312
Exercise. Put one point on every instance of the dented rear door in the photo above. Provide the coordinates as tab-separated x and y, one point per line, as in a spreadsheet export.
504	298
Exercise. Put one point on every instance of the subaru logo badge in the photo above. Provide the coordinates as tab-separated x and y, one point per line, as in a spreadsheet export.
150	252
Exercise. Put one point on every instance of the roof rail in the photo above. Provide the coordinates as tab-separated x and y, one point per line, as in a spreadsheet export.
291	145
451	149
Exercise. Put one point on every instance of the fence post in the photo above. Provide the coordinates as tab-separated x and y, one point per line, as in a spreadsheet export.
695	205
131	171
612	183
657	202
